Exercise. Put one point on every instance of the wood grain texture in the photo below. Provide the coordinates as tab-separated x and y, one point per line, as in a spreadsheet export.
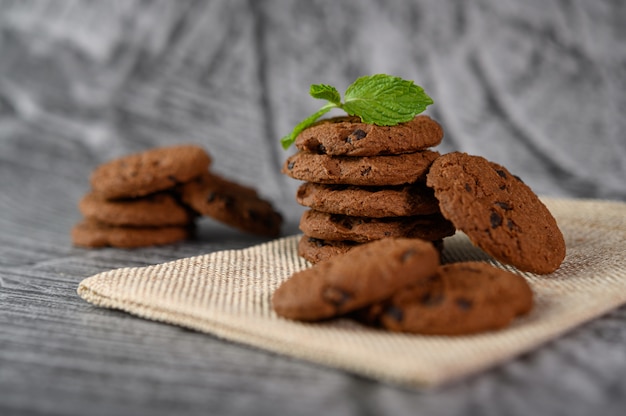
535	86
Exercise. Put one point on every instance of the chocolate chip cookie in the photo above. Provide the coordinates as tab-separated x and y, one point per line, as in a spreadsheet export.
498	212
316	250
338	286
348	136
364	171
334	227
92	234
460	298
369	201
232	204
157	209
147	172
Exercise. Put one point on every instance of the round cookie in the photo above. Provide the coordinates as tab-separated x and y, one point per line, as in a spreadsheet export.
365	171
348	136
316	250
154	170
334	227
369	201
232	204
366	274
92	234
153	210
461	298
498	212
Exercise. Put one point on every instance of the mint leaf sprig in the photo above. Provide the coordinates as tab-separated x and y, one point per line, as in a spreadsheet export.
379	99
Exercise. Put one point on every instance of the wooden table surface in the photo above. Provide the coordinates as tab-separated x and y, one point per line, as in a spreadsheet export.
536	86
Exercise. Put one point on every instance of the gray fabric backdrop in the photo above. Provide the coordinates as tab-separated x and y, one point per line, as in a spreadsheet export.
538	86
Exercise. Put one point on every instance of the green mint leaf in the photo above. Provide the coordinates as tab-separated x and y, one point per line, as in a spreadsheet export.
291	137
379	99
325	92
385	100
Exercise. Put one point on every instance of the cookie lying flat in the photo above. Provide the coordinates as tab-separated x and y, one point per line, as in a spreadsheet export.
355	279
369	201
348	136
316	250
153	210
461	298
144	173
365	171
232	204
498	212
92	234
362	229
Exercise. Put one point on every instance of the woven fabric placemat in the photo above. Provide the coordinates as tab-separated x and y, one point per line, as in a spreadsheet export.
228	293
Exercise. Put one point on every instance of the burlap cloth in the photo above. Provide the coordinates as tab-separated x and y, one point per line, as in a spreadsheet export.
227	294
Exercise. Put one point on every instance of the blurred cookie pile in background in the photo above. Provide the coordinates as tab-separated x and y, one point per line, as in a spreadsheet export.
154	198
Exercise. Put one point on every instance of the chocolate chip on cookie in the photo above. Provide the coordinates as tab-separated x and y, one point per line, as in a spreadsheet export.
497	211
232	204
460	298
366	274
348	136
150	171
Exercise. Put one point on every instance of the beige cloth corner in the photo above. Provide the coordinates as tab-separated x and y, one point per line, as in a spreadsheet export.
227	294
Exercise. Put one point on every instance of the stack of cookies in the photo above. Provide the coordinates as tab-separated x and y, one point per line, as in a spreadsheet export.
365	182
154	198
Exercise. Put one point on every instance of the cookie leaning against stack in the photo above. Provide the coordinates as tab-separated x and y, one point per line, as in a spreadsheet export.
365	182
153	198
498	212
